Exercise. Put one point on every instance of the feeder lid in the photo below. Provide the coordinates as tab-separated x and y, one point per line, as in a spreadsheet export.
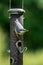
16	11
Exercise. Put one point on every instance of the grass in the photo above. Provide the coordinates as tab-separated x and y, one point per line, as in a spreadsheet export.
35	58
4	59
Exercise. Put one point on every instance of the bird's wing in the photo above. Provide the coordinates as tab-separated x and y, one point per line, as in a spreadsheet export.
18	24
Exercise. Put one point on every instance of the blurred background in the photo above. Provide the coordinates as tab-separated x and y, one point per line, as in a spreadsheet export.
33	21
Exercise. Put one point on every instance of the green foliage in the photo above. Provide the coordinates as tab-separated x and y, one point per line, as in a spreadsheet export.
33	21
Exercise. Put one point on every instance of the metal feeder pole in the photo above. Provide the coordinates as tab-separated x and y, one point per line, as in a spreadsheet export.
16	58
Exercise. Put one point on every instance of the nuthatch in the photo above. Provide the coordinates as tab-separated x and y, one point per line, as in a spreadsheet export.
19	29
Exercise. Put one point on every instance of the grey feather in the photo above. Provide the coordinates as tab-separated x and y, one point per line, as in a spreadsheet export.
19	28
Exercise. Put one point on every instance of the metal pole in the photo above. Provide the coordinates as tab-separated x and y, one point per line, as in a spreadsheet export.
16	58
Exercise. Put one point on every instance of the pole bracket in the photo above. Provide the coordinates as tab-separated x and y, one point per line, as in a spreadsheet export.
16	11
19	46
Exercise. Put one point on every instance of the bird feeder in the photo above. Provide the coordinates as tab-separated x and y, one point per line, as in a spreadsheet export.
16	57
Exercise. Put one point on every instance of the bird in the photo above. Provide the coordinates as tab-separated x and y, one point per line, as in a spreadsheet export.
19	29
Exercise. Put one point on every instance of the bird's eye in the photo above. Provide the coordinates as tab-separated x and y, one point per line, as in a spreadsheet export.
20	29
